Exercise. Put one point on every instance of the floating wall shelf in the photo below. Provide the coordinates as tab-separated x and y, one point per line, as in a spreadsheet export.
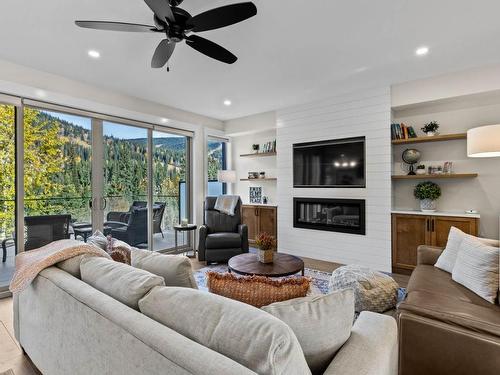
434	176
260	154
436	138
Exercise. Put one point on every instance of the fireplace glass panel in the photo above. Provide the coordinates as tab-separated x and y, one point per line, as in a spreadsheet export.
341	215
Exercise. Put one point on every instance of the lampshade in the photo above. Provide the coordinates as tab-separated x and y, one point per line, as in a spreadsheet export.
483	142
226	176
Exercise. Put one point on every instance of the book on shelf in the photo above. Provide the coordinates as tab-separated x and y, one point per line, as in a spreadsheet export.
402	131
269	147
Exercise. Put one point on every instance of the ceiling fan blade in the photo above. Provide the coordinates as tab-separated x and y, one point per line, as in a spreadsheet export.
210	49
115	26
161	9
222	16
162	53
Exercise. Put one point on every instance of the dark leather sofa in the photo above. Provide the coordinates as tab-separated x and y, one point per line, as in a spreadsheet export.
221	236
444	328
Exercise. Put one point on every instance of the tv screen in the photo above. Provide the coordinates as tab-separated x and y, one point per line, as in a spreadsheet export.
334	163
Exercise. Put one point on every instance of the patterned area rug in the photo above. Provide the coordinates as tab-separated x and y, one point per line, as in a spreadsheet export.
320	280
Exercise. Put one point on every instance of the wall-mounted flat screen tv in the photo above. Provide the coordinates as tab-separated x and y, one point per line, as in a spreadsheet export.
333	163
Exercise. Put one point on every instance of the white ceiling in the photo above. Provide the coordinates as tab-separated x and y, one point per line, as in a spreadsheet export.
291	52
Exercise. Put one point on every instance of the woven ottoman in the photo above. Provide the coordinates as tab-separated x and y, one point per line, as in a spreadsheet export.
373	290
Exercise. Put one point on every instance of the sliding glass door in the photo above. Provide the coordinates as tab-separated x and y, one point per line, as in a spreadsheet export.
125	168
170	188
7	192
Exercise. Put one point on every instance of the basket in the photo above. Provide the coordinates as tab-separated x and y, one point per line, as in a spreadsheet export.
265	256
257	291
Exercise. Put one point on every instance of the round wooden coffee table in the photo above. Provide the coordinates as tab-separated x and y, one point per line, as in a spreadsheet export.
283	265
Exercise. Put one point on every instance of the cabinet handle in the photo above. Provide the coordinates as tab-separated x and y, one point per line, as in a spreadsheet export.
432	225
427	223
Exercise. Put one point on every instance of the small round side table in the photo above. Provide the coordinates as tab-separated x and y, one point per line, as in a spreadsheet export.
191	229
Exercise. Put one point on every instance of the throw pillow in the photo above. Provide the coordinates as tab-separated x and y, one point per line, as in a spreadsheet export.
448	257
120	281
322	324
175	269
257	291
120	251
98	239
247	335
477	268
373	290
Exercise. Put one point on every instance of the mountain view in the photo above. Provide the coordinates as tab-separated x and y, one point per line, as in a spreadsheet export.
58	158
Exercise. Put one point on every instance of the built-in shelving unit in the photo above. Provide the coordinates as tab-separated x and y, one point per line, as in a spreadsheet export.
259	179
436	138
434	176
257	155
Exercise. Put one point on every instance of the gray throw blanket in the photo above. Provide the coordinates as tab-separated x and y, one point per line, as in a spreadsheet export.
226	204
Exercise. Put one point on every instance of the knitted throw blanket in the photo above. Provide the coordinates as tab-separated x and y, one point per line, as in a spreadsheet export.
30	263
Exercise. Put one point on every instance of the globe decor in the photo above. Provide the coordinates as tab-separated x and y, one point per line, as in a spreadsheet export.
427	192
266	244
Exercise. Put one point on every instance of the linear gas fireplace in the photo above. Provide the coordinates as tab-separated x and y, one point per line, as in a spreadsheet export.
337	215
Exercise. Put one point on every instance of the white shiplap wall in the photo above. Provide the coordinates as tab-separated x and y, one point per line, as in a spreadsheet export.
365	113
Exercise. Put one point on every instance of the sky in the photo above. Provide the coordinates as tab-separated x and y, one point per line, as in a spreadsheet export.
109	128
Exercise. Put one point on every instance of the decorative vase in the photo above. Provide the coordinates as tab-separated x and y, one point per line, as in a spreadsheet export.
265	256
421	171
431	134
427	205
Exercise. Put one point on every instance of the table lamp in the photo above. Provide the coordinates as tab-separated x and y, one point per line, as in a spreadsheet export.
227	177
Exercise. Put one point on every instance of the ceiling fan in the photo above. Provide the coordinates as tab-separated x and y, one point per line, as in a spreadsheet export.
178	25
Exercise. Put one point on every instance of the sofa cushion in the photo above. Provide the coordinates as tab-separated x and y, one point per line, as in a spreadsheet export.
448	257
477	268
241	332
322	324
175	269
223	240
72	265
448	309
118	280
257	291
433	280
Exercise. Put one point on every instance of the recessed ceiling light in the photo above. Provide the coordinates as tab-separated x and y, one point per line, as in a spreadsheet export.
164	120
422	51
41	93
94	54
227	102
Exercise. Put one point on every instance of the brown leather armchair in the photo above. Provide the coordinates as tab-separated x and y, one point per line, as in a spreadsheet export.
444	328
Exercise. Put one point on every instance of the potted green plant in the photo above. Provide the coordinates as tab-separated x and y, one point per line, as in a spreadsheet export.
266	244
255	148
420	169
427	192
431	129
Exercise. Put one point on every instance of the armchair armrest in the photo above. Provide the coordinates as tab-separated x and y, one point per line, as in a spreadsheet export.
201	244
115	224
428	254
371	349
243	231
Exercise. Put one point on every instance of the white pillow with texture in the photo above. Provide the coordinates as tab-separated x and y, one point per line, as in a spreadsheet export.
175	269
477	268
448	257
322	324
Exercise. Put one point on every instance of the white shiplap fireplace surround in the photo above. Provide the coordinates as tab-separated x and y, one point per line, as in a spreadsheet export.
363	113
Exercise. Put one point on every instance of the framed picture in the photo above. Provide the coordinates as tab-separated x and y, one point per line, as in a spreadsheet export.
255	194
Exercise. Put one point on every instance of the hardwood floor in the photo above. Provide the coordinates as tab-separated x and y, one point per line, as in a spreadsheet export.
11	355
